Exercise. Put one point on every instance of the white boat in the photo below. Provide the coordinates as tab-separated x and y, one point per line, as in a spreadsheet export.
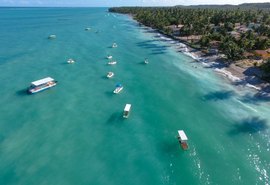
146	61
41	85
112	62
126	110
110	74
118	89
182	138
70	61
114	45
109	57
87	29
52	37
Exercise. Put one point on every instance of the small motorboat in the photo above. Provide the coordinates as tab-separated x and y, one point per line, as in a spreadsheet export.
87	29
110	74
52	37
114	45
70	61
182	138
109	57
146	61
118	88
112	63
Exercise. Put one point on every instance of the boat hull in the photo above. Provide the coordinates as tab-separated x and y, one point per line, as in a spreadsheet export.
183	145
118	90
33	91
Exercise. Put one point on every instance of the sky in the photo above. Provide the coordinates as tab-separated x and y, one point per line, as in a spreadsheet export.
111	3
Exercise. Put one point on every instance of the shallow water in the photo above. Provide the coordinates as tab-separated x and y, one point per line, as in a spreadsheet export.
74	133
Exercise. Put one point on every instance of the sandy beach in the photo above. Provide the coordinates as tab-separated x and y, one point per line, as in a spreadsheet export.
239	75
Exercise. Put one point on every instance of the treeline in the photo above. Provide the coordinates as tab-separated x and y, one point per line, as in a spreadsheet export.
262	6
217	25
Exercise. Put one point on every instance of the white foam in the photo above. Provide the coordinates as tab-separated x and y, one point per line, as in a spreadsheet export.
227	74
253	86
195	57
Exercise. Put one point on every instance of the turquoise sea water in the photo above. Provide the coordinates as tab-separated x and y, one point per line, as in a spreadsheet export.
74	133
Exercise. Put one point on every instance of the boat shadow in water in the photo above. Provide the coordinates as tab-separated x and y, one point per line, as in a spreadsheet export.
115	118
218	95
109	93
170	147
250	125
22	92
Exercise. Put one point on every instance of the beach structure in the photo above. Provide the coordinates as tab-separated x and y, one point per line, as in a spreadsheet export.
182	138
70	61
110	74
126	111
112	63
118	88
52	37
41	85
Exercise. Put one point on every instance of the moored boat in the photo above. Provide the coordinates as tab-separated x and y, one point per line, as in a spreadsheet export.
109	57
52	37
118	88
112	62
70	61
110	74
114	45
87	29
146	61
126	111
41	85
182	138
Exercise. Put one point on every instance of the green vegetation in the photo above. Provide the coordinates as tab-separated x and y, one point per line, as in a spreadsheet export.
233	30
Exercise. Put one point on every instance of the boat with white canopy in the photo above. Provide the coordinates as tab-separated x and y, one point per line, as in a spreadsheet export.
126	110
182	138
41	85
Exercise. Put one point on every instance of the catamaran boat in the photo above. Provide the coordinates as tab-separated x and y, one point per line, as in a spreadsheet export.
109	57
70	61
114	45
87	29
52	37
182	138
112	62
118	88
126	111
41	85
110	74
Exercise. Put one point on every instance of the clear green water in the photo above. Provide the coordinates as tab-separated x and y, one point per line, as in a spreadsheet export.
74	133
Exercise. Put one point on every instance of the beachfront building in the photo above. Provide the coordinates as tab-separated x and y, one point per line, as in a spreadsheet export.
263	54
175	29
235	34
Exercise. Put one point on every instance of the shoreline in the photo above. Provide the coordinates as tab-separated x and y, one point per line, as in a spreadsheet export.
238	76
